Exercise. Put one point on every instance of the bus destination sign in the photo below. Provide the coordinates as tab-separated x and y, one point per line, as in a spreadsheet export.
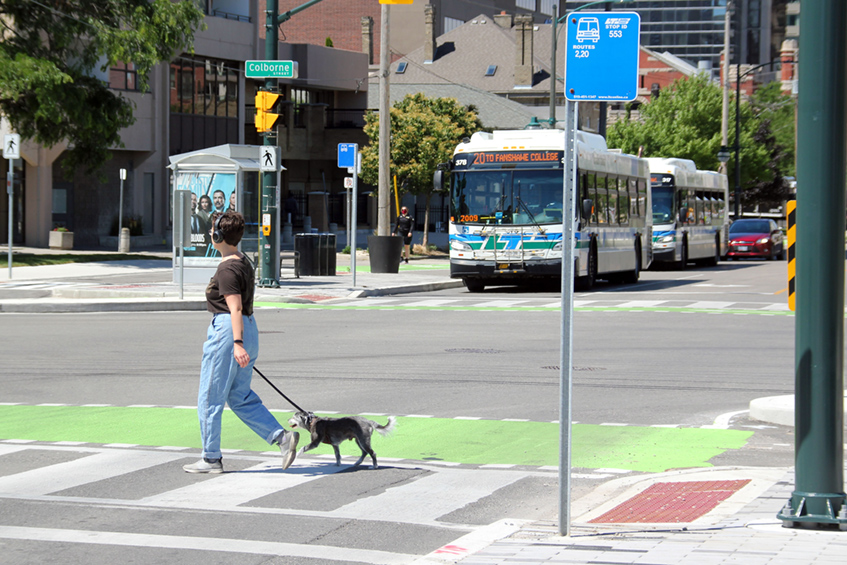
601	60
498	158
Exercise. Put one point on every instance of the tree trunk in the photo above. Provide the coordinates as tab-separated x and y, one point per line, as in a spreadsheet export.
426	224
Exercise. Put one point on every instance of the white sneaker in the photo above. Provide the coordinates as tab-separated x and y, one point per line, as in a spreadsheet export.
288	447
203	466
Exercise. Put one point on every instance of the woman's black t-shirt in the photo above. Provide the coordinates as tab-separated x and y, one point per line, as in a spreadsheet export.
234	276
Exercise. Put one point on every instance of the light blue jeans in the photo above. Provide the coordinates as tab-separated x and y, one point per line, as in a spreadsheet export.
223	381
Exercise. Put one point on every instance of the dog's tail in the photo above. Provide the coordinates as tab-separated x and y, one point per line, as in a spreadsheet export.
388	428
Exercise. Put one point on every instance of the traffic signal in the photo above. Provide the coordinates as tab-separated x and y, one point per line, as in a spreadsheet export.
264	102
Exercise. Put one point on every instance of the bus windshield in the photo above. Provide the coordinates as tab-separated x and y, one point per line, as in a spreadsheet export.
520	197
662	204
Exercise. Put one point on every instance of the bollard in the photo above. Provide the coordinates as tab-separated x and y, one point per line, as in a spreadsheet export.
123	245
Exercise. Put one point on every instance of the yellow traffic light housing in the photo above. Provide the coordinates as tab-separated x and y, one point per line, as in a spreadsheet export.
264	102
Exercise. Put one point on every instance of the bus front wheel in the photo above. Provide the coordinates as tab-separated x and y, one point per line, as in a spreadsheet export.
474	285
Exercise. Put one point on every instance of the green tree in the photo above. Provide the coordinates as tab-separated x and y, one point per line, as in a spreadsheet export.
52	48
685	122
424	133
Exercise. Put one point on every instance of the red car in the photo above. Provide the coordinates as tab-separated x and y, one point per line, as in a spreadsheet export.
755	238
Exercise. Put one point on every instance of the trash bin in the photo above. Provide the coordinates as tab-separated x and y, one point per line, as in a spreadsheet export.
317	253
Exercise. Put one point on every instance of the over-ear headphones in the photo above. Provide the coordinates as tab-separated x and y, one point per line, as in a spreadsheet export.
217	234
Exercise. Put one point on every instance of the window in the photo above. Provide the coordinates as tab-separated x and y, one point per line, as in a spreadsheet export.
123	76
489	72
401	67
452	23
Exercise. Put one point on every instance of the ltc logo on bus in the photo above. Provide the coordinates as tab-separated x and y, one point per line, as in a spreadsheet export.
501	241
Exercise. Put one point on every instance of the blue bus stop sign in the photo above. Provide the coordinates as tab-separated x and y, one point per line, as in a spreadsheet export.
601	60
347	155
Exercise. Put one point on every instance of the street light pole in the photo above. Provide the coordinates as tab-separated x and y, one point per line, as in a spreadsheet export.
737	146
737	110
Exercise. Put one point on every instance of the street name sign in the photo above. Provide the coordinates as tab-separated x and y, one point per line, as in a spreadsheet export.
271	69
601	58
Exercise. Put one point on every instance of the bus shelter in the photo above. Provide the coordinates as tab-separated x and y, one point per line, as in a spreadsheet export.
220	179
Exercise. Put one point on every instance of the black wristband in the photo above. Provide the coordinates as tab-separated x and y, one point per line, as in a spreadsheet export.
238	341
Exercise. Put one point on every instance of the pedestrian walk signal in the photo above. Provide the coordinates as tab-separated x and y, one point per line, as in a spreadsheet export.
265	120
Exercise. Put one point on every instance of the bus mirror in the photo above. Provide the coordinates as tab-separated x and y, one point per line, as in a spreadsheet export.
438	181
683	215
587	208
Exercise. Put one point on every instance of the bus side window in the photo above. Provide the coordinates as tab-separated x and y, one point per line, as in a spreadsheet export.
642	198
594	196
633	198
623	202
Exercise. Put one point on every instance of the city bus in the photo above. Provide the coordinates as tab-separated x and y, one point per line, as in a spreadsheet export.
690	220
506	197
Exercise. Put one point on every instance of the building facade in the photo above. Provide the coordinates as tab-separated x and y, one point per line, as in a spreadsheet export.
198	100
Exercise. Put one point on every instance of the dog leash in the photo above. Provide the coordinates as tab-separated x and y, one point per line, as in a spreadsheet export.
276	389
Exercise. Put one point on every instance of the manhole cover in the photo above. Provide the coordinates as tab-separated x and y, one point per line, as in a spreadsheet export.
472	350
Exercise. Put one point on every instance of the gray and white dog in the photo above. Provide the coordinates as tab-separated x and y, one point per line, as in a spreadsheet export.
335	430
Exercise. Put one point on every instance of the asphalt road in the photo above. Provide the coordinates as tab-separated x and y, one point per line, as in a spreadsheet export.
473	378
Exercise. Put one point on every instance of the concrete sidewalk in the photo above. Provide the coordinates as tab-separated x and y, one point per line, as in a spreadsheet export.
743	529
147	284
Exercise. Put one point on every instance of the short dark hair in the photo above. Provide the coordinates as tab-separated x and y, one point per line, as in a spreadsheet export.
231	226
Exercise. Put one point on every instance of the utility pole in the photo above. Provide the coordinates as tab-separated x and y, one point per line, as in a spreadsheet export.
725	85
383	220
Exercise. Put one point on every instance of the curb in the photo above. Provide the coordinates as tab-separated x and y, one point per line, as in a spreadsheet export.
406	289
777	409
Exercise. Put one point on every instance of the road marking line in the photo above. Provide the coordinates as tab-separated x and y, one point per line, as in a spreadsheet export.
499	303
641	304
722	421
710	305
254	547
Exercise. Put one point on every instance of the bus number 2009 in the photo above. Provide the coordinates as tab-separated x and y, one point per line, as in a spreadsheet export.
468	218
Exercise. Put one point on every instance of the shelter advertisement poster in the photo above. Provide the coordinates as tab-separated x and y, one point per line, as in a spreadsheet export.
210	193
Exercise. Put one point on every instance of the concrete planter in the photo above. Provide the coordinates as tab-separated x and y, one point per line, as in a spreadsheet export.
61	240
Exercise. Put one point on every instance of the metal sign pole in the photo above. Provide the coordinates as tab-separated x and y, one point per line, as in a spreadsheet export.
355	216
121	210
566	364
10	188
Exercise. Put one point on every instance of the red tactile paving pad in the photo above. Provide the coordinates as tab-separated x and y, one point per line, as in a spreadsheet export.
315	297
672	502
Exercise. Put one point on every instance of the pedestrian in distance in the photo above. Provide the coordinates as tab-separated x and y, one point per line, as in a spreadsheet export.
231	348
404	226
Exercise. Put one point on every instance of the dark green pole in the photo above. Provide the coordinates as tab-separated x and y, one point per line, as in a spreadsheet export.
268	244
819	324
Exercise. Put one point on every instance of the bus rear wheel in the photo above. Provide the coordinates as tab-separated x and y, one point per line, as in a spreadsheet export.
587	282
474	285
683	259
631	277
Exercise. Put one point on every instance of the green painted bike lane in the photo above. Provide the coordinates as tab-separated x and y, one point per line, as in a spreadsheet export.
474	442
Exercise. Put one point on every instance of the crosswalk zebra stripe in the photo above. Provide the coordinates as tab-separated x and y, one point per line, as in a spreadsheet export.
641	304
710	305
232	489
252	547
97	466
454	489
